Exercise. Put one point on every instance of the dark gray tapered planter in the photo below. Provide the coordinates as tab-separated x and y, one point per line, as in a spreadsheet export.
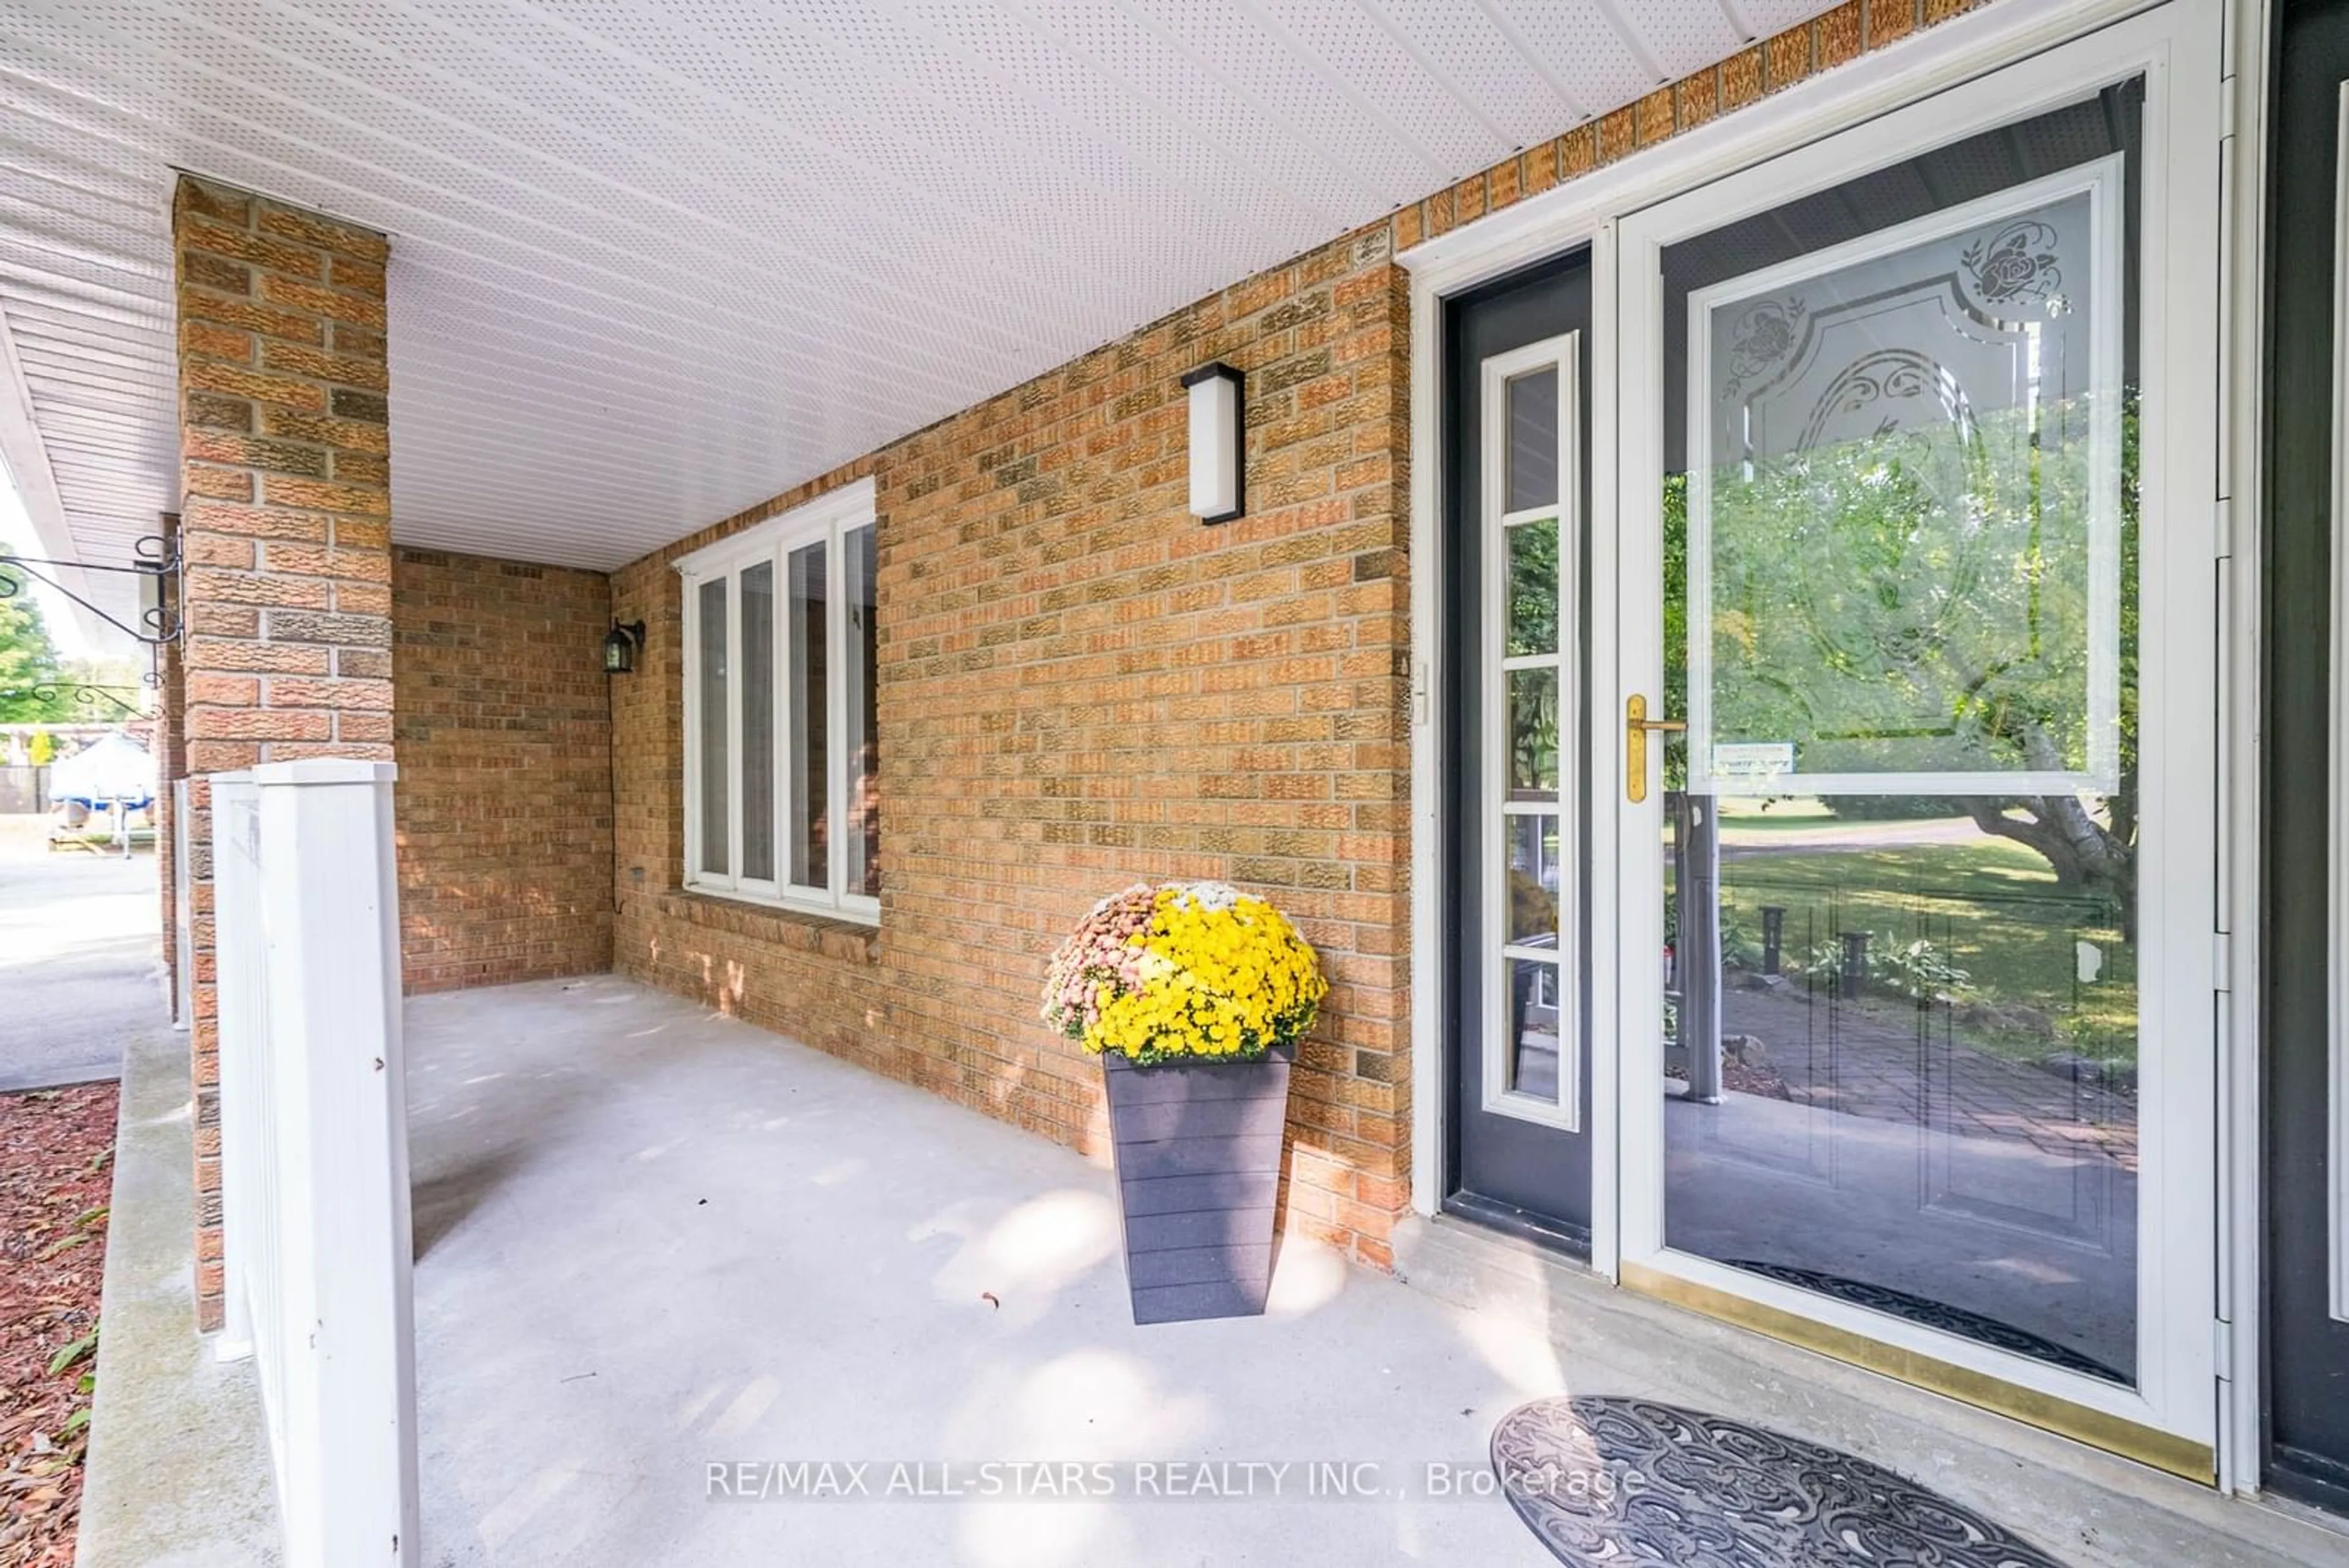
1198	1171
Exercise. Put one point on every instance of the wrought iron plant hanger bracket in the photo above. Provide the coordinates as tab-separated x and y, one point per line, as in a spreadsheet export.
157	558
54	691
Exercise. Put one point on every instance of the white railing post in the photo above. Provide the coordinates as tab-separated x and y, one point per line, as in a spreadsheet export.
241	1022
183	945
314	1130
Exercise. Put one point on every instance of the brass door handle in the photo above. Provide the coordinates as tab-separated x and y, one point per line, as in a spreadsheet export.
1636	725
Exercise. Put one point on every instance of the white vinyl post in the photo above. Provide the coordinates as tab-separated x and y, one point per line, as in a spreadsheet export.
183	963
329	905
241	1019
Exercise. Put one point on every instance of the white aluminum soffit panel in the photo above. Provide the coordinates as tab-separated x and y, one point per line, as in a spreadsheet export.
655	260
87	373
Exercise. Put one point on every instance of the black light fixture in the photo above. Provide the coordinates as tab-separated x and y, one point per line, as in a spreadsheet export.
620	646
1217	485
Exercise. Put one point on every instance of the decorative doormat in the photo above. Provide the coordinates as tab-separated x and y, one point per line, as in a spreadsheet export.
1973	1326
1612	1480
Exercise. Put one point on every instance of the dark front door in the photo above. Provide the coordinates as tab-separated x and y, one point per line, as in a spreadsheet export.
1516	806
2307	1344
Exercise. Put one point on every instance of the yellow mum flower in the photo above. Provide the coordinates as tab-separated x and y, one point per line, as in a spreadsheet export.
1217	973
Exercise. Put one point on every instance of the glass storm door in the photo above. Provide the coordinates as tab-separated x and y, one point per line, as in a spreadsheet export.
1916	720
1516	800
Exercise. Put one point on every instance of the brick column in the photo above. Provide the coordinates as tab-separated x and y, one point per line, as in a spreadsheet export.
285	526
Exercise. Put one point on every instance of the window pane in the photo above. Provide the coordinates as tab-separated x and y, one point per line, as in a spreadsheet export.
1912	505
758	722
714	839
810	770
1533	440
1533	588
864	734
1532	1043
1901	560
1532	733
1533	880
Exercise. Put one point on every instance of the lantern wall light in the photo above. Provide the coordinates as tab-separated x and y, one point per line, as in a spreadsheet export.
621	645
1218	491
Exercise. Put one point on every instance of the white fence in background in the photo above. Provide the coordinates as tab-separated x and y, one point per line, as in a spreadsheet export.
313	1149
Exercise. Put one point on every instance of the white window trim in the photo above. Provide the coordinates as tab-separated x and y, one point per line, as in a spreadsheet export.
828	520
1563	1109
2337	1053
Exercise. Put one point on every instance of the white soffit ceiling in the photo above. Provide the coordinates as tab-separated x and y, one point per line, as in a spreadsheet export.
655	260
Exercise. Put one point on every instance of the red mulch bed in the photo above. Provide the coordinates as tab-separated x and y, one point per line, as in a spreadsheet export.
56	1169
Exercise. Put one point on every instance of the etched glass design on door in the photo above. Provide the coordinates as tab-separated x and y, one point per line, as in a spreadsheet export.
1900	558
1960	375
1532	694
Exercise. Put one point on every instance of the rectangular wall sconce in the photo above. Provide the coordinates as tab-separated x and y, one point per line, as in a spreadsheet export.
1216	493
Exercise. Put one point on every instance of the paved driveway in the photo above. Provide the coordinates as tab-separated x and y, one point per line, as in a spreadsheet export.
79	959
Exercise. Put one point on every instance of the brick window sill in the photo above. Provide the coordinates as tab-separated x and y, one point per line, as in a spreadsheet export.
851	941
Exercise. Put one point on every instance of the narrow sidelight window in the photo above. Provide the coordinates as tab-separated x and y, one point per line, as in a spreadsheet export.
758	591
782	786
861	738
709	643
810	840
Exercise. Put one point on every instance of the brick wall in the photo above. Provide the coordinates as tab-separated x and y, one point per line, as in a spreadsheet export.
501	713
286	525
1079	686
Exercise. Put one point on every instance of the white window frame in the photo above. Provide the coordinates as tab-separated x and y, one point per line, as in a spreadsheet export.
2337	1043
1561	355
827	520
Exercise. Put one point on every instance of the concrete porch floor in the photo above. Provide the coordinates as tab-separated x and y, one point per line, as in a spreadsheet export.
650	1240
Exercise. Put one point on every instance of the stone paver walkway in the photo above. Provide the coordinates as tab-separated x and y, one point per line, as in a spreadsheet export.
1895	1065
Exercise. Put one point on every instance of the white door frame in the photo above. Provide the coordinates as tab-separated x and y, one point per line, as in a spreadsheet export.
2178	910
2242	252
1588	212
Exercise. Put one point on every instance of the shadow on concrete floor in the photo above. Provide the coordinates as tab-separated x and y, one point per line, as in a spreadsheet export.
663	1240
